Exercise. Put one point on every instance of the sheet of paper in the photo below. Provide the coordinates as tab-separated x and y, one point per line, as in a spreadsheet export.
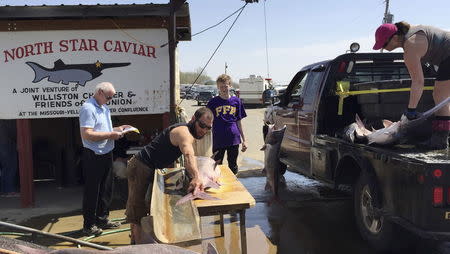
126	130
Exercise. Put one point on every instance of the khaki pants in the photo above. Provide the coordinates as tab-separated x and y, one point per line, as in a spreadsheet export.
140	177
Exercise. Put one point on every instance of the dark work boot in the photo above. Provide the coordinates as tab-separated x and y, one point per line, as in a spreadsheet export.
234	169
439	138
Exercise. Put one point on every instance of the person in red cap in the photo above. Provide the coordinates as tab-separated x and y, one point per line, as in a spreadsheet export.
422	44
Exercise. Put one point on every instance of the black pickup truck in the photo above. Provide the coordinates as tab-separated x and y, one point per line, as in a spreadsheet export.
394	187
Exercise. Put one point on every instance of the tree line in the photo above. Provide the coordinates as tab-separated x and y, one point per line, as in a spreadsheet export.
189	78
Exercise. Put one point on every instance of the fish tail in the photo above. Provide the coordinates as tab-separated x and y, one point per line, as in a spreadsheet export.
212	184
205	196
185	199
359	122
39	72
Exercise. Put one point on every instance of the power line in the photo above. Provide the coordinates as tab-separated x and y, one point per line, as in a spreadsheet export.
206	29
217	48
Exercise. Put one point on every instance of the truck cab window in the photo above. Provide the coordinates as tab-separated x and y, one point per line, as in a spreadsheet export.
297	90
312	86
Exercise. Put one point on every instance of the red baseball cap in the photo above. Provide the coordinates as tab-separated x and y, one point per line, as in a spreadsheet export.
383	33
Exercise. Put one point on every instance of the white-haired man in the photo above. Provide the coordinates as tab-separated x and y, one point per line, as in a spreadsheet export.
98	135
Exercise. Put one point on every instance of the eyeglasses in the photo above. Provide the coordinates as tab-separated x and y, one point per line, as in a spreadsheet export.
387	42
203	125
107	97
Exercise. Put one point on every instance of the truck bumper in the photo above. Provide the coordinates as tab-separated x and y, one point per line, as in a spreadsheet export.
427	234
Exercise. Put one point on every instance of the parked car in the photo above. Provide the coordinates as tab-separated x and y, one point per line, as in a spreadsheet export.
269	96
204	97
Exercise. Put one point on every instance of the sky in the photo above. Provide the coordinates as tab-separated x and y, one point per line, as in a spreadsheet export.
299	32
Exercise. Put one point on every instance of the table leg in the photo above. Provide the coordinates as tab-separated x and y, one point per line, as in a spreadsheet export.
243	232
222	231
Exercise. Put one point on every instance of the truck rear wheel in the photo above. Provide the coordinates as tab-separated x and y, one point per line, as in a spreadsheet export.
376	229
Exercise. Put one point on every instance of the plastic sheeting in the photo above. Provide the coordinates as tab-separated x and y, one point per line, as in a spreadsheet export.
171	223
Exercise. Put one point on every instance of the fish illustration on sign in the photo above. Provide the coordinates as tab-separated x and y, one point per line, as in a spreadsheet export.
65	73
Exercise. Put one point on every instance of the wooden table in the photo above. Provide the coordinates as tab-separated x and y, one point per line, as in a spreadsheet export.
233	197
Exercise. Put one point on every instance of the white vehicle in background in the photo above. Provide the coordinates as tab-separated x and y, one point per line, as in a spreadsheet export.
251	89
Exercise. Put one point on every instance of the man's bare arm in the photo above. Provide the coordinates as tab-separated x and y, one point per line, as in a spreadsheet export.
91	135
181	137
415	48
244	144
121	127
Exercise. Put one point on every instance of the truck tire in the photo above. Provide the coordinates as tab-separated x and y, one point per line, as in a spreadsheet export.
382	234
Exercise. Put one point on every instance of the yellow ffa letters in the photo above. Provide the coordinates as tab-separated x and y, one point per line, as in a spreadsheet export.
227	109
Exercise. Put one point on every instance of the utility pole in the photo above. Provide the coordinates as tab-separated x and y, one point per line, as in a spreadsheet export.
388	17
174	6
226	66
265	31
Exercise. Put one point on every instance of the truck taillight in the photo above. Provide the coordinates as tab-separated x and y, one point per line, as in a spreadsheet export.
438	196
448	196
437	173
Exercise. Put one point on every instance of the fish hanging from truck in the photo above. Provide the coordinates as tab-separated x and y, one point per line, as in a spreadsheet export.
65	73
272	165
392	132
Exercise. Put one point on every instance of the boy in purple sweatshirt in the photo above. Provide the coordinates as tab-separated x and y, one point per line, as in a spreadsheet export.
227	128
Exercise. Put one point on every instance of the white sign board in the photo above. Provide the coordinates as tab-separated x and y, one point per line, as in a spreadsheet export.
49	74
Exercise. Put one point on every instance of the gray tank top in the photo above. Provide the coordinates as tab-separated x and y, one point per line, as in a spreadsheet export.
438	43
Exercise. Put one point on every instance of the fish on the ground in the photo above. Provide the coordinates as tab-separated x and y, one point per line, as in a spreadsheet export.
132	249
209	174
392	131
271	148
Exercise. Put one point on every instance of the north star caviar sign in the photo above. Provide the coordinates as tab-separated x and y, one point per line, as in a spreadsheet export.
73	45
48	74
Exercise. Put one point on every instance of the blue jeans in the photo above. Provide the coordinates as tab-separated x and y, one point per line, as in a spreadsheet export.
8	165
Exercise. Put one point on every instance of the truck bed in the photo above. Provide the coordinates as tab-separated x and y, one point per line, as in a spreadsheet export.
409	152
408	179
